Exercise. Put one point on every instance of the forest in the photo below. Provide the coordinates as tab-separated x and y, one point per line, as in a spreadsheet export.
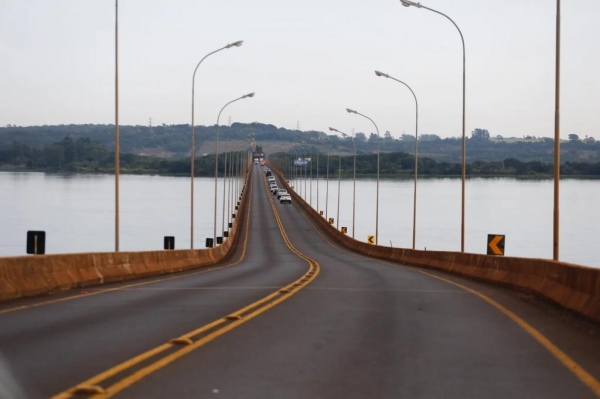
173	141
86	155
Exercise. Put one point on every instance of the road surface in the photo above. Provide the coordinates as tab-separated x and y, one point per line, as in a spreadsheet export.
290	314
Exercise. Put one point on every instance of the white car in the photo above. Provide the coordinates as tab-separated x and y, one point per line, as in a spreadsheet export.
281	192
285	199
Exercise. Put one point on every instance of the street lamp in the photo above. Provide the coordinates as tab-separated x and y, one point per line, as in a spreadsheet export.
326	184
193	145
250	95
555	246
337	225
385	75
117	150
408	3
227	182
351	111
354	179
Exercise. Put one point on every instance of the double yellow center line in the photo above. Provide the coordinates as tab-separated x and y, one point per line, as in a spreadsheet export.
127	374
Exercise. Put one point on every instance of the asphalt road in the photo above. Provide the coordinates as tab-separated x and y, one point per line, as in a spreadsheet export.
352	327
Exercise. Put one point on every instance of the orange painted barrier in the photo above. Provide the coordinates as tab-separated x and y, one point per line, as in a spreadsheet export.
574	287
23	276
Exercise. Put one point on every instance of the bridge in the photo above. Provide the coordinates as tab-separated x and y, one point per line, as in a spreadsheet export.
290	307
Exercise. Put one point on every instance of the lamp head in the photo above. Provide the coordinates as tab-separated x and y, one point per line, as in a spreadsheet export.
333	129
235	44
408	3
248	95
379	73
351	111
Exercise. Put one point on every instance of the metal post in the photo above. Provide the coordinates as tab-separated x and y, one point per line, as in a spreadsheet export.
354	190
339	182
327	188
556	235
408	3
378	73
318	156
377	199
117	150
224	193
193	144
217	163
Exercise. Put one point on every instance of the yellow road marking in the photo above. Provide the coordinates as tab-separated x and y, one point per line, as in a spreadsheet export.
215	288
267	303
567	361
584	376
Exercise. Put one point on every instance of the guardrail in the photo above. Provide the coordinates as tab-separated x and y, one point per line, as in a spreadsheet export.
23	276
571	286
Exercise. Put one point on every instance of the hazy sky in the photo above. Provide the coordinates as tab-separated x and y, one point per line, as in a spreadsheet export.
306	60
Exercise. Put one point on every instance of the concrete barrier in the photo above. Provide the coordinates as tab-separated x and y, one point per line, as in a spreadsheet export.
23	276
574	287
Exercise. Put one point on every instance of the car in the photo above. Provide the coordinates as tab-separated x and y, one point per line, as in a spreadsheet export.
281	192
285	199
268	173
274	190
271	178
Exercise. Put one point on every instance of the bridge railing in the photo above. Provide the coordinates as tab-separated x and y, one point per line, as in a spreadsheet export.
23	276
571	286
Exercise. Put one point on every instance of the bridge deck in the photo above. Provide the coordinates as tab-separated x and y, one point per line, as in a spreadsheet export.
355	328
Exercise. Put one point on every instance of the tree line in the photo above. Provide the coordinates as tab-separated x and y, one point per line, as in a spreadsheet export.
84	155
174	141
403	164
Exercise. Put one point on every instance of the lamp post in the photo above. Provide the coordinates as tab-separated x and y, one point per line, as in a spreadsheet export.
311	177
117	152
351	111
327	187
225	169
385	75
555	235
250	95
353	179
193	145
339	178
228	182
318	156
408	3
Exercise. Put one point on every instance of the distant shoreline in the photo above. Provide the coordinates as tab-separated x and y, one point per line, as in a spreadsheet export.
332	176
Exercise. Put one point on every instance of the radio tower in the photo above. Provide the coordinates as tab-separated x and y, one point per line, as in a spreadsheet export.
298	125
229	120
150	123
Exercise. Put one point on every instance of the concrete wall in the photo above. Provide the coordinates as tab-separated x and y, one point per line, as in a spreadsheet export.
574	287
23	276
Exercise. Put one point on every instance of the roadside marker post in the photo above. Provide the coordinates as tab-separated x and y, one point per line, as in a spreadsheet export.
169	242
495	244
36	242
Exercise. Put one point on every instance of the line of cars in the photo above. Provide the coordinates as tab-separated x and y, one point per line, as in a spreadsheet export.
282	195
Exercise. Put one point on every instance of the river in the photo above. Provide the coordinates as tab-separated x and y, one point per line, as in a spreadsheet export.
77	213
